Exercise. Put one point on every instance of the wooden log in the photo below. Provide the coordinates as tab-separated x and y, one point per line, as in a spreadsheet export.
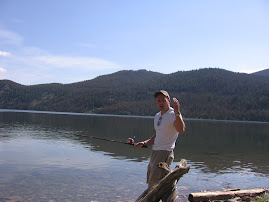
224	195
165	190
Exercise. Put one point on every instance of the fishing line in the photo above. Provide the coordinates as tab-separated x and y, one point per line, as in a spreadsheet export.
129	142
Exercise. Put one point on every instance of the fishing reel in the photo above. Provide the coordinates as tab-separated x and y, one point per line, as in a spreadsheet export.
130	141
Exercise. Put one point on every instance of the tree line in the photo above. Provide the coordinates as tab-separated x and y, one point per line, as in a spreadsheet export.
209	93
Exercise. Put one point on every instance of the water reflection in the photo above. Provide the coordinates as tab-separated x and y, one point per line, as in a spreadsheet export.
225	145
215	147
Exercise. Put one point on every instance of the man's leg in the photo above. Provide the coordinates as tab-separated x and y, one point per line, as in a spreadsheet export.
155	174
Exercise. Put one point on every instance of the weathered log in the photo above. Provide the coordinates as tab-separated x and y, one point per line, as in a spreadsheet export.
224	195
165	190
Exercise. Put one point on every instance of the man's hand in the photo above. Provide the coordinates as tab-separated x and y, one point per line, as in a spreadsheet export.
139	144
176	105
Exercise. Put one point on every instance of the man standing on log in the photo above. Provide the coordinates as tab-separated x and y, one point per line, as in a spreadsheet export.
167	123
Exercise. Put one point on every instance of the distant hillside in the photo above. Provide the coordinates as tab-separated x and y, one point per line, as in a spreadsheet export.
119	79
205	93
262	73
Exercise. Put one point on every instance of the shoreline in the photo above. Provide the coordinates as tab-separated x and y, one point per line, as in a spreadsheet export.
129	116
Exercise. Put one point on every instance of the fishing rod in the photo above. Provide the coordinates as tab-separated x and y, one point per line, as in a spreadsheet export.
129	142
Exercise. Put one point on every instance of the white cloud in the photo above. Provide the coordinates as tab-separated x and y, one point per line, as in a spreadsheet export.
2	69
33	65
36	68
5	54
11	38
76	62
32	51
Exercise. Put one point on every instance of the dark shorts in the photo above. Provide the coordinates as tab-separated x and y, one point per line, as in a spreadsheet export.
155	174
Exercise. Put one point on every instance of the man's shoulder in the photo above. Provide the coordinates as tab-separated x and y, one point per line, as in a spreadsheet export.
171	111
171	114
158	114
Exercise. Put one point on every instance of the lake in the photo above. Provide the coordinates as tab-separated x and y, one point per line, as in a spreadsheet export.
52	157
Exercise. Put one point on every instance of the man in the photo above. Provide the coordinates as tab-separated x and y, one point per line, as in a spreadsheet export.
167	123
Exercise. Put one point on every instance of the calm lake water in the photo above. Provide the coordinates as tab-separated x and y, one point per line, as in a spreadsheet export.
51	157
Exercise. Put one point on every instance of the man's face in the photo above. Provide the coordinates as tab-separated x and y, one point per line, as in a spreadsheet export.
163	103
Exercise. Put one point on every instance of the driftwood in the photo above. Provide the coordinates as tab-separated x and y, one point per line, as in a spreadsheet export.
224	195
165	190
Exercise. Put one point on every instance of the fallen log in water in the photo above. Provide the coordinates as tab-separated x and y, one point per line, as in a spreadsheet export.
166	188
224	195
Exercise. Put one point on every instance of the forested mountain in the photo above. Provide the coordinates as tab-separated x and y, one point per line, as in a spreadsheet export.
264	72
205	93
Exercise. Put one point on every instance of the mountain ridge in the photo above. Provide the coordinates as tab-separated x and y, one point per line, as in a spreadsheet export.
264	72
209	93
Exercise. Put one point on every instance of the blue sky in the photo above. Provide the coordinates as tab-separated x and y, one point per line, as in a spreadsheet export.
69	41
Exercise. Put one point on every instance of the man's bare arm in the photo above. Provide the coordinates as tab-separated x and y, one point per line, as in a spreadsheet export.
146	142
178	123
